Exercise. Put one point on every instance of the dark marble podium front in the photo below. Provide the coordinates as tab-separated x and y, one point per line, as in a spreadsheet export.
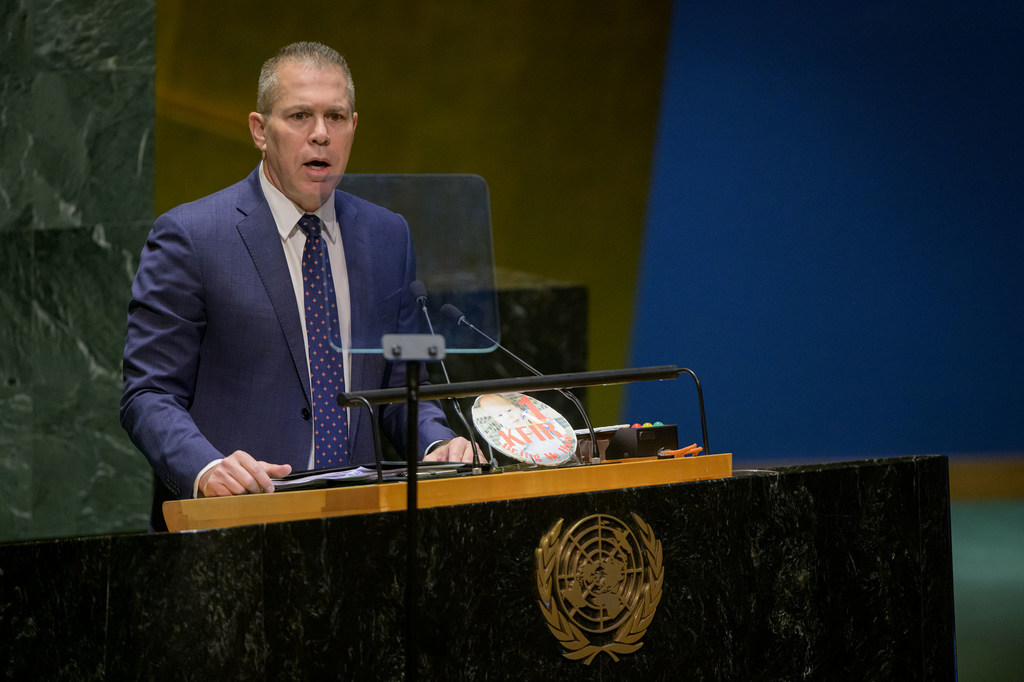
828	572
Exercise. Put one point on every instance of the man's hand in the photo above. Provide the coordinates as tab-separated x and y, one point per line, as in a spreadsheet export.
240	473
456	450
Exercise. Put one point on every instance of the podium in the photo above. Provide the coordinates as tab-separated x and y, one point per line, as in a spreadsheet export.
223	512
832	571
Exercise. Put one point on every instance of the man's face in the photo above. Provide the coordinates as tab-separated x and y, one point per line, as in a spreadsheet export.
307	137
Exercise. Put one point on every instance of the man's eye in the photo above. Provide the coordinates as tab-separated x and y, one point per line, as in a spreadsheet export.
298	116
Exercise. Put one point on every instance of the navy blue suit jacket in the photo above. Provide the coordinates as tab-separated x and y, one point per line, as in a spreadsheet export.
214	359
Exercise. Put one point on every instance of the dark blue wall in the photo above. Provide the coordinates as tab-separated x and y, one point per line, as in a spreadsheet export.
834	236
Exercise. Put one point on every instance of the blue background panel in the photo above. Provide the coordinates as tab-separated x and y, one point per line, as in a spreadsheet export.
833	240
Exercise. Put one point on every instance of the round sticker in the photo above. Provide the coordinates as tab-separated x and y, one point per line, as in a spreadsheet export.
524	428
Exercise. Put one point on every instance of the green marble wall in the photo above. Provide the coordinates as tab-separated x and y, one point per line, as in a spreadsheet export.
76	201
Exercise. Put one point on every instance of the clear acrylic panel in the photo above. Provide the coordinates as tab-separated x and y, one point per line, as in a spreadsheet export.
449	216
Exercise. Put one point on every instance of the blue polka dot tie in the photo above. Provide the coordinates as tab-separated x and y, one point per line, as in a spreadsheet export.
326	361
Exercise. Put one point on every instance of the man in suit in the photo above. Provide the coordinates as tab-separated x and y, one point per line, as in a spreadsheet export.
227	384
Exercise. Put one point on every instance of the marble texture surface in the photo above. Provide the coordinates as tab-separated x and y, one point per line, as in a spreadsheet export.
839	571
186	606
54	609
76	186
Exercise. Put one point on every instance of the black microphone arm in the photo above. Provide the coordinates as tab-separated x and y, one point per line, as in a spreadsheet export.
455	315
419	291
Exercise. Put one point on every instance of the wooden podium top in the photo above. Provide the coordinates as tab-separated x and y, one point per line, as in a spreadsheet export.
240	510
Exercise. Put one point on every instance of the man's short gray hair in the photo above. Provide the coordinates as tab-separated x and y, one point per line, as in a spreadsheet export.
315	55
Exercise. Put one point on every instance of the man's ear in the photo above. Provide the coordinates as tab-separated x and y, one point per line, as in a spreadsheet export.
256	127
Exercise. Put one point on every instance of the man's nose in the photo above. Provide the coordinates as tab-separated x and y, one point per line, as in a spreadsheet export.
320	134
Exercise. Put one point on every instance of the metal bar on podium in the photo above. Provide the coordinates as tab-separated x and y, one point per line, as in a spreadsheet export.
608	377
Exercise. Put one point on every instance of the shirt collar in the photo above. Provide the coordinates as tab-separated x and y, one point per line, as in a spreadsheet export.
287	214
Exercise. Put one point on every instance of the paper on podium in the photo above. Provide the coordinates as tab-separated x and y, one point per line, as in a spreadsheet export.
353	474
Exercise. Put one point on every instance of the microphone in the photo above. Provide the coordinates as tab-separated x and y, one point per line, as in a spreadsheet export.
456	316
419	292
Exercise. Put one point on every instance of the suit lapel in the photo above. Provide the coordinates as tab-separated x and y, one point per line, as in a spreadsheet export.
361	287
358	263
259	232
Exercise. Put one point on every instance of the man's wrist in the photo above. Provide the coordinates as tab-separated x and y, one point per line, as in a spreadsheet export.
199	477
435	445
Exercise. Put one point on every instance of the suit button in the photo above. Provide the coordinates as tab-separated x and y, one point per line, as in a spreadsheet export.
306	413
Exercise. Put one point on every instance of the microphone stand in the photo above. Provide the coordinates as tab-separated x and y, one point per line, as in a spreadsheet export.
455	314
420	292
412	349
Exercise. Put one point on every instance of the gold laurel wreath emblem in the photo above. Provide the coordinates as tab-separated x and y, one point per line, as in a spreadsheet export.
627	637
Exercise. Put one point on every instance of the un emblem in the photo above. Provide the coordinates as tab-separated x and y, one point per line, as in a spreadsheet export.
599	585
